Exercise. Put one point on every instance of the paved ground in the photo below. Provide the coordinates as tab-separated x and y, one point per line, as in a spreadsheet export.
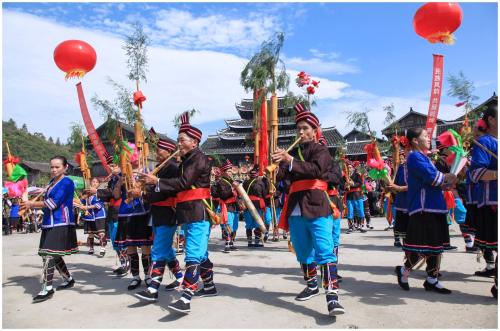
256	290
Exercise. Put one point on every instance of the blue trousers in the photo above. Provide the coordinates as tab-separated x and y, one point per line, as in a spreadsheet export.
249	221
336	232
162	249
196	247
312	239
355	205
112	228
268	216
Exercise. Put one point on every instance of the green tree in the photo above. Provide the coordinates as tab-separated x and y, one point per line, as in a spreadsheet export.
24	128
136	49
360	121
463	89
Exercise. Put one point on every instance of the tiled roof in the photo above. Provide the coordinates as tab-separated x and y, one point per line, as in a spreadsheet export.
358	148
215	145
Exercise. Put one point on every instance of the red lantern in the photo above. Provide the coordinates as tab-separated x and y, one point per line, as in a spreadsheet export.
75	58
436	21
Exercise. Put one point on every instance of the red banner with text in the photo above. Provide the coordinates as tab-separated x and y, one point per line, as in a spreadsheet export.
93	136
437	84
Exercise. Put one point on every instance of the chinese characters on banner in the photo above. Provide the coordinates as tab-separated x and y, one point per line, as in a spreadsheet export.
437	83
93	136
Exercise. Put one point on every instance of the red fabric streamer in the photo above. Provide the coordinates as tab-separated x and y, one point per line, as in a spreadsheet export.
93	136
437	84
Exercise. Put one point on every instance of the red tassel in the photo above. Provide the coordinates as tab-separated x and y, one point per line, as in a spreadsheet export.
139	98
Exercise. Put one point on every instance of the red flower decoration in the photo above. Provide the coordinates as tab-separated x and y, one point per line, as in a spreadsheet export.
404	141
315	83
302	79
310	90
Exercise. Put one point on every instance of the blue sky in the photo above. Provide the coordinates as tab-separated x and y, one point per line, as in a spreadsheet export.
366	55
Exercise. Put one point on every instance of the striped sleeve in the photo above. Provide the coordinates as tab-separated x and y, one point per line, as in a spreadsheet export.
60	193
480	161
50	203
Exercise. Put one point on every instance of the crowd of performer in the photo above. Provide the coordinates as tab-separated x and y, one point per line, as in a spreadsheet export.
304	200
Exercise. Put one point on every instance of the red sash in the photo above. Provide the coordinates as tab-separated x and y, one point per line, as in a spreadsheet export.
169	202
262	203
357	189
115	203
300	185
333	192
193	194
449	198
223	208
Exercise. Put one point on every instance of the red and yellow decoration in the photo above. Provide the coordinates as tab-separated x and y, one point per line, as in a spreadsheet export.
75	58
436	21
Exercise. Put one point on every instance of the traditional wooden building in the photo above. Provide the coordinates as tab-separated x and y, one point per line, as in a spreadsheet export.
355	142
235	142
411	119
39	171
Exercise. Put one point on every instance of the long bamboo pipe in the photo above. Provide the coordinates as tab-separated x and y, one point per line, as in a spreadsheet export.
270	168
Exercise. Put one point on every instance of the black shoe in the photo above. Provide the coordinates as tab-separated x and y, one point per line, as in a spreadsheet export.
339	278
307	294
135	283
266	236
285	236
335	308
258	245
148	281
432	287
233	248
250	245
450	248
172	286
403	285
90	252
473	249
349	231
226	250
102	252
206	293
66	284
494	291
43	297
398	244
485	273
180	306
117	270
121	272
369	227
147	295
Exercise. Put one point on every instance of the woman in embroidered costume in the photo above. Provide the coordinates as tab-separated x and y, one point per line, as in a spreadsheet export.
58	228
133	230
95	219
427	232
484	170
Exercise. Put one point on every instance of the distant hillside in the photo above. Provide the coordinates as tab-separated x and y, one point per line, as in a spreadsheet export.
28	146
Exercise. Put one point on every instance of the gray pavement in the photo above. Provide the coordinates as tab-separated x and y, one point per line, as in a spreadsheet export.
256	290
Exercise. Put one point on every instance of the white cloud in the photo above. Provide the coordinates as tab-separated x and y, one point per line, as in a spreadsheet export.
180	28
321	64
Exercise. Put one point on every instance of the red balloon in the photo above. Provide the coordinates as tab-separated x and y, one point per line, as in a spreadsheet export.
75	58
436	21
